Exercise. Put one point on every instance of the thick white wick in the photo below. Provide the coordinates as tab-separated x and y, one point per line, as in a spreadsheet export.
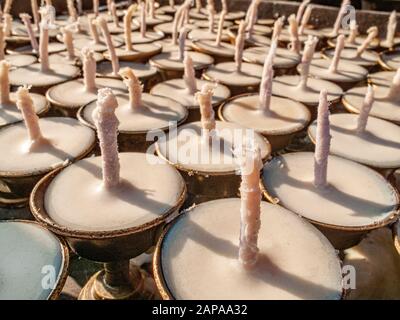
189	75
224	6
353	32
89	70
128	27
266	80
171	3
152	10
35	13
372	34
96	7
218	39
25	104
2	42
114	14
295	44
365	110
306	59
250	193
253	17
391	28
239	45
143	20
175	23
204	97
198	5
7	24
323	141
44	40
394	91
68	42
26	19
134	88
211	20
338	51
107	132
7	6
305	19
4	83
278	25
73	15
342	11
93	29
110	46
182	40
301	9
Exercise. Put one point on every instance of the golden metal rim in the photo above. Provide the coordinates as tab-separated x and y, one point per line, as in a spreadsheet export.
280	134
383	63
396	236
37	206
55	293
392	216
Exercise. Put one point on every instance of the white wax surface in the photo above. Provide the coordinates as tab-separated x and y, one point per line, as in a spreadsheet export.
205	34
167	27
69	140
358	41
259	40
150	36
368	57
147	192
284	58
286	37
176	89
356	196
285	116
9	113
138	49
347	72
226	73
208	46
72	94
32	75
189	150
150	21
167	45
87	41
382	78
142	71
29	252
62	57
156	113
20	60
206	23
389	110
287	86
171	61
392	59
53	48
378	146
199	257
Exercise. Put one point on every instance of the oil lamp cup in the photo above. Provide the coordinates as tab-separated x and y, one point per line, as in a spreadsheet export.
119	279
29	235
